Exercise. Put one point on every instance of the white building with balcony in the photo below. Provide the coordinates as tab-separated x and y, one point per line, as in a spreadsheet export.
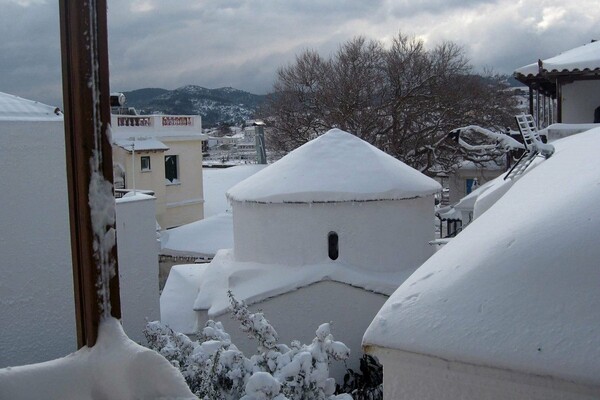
161	154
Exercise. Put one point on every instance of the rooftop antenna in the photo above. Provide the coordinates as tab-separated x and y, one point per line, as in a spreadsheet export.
133	165
534	146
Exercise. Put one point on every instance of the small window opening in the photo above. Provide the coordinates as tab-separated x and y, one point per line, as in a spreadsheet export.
332	241
145	163
171	170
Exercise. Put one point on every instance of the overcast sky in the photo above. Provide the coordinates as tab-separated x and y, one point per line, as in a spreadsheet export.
216	43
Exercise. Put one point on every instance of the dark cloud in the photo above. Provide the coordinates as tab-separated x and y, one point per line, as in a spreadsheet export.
408	8
30	65
241	43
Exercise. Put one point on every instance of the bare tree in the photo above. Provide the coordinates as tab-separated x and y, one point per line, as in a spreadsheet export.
297	101
355	89
405	99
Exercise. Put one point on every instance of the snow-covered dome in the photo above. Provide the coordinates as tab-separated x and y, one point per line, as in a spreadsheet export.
518	289
14	108
334	167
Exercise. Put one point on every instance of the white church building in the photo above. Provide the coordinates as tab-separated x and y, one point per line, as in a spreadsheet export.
327	233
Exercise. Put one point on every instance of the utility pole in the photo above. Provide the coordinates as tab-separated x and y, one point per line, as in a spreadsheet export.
86	99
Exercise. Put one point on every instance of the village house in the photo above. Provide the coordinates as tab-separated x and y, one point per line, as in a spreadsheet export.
161	155
335	221
565	88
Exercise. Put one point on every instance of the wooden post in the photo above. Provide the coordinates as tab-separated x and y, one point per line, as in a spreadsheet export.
531	99
559	106
86	99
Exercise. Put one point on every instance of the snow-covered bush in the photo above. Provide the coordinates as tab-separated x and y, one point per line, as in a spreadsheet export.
214	368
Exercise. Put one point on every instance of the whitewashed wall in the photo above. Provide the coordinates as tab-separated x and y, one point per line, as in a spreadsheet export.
138	263
579	100
184	200
298	314
418	376
379	235
146	180
37	312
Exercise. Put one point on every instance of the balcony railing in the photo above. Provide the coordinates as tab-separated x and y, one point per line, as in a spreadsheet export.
134	121
157	121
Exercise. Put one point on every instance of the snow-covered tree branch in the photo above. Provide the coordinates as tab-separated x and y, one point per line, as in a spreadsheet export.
501	140
214	368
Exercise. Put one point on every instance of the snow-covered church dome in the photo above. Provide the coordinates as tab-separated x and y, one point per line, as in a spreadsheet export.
336	198
510	308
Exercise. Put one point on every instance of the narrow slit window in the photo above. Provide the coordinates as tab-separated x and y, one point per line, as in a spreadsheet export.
332	241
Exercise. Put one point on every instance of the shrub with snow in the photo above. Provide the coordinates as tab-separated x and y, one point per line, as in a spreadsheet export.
367	384
214	368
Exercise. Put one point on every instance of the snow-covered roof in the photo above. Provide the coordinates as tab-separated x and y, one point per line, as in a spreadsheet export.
582	59
217	181
468	202
14	108
468	165
449	213
518	288
253	282
141	144
134	196
201	238
560	130
334	167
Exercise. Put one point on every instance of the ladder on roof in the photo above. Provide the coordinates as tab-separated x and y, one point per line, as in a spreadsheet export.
532	142
521	165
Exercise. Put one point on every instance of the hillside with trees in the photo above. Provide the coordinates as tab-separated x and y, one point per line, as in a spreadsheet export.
216	106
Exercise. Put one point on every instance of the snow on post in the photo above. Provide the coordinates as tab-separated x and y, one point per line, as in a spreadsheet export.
89	164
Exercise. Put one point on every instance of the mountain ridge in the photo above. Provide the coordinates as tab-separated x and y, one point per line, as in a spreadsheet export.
225	105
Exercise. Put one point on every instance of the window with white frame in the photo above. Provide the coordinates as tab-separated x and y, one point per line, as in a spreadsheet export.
172	169
145	163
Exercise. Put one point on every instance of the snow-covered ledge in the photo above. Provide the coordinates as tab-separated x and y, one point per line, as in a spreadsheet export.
115	368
